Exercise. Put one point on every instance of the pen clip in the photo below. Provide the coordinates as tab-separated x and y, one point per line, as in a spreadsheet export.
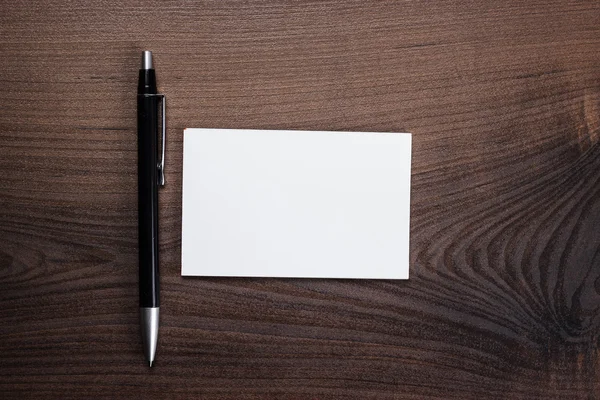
161	163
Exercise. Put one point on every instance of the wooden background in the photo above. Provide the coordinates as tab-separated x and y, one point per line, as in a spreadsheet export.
503	99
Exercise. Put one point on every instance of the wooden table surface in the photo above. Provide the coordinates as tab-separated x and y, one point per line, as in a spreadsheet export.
503	99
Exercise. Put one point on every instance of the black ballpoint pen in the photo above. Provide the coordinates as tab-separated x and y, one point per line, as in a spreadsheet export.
150	177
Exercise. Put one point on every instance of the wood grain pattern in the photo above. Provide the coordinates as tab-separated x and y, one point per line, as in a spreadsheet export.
503	99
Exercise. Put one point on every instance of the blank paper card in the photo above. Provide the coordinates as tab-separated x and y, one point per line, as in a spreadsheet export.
303	204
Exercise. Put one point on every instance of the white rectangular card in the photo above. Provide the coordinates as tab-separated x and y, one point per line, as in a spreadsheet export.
300	204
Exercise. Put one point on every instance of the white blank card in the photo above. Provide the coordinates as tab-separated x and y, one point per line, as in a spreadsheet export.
299	204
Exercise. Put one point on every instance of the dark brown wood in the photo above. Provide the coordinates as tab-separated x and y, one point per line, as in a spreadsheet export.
503	99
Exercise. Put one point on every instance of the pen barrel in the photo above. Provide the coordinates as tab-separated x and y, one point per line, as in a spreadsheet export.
147	81
148	199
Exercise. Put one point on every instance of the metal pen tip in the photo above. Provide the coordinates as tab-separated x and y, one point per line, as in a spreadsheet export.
146	60
150	363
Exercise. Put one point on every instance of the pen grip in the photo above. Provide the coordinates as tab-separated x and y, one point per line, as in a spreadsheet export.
148	200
